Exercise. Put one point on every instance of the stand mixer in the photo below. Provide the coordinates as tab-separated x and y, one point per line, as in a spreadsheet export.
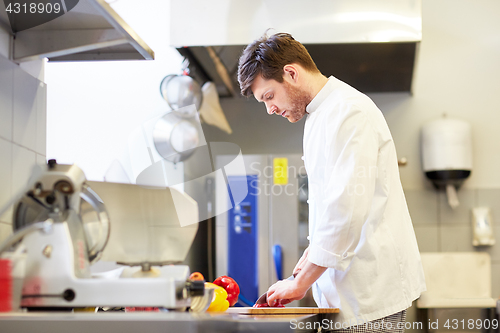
65	227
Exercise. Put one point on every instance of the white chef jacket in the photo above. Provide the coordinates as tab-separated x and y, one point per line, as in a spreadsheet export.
359	225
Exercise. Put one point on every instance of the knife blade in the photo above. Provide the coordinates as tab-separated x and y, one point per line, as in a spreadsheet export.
263	298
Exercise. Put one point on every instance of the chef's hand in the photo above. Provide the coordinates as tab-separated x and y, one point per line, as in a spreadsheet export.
286	291
301	263
292	290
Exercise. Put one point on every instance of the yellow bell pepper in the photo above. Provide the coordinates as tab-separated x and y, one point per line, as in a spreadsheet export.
219	302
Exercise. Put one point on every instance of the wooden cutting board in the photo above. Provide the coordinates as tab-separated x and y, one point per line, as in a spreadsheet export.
280	311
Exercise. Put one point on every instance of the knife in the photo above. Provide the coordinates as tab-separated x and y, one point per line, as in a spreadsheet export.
263	298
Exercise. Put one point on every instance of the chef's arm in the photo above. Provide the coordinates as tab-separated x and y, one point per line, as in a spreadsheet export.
301	263
308	275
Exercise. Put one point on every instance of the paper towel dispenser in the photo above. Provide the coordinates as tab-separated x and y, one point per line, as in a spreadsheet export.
447	154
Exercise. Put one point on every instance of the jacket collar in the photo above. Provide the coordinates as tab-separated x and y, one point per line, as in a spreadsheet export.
322	95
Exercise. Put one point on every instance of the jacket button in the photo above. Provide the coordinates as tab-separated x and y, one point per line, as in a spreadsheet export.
302	158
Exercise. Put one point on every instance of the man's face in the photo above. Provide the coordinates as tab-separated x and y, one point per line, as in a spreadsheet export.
283	99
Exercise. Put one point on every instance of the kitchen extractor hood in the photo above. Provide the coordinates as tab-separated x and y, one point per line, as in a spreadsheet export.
372	45
91	30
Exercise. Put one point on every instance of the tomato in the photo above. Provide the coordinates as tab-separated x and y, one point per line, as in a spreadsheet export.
196	276
231	287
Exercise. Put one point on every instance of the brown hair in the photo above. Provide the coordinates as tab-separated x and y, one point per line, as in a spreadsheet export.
267	56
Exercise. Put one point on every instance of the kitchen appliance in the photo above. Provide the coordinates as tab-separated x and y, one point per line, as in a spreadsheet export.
76	19
371	45
65	227
447	154
259	237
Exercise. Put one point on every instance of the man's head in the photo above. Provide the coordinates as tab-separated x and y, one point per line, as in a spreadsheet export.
276	70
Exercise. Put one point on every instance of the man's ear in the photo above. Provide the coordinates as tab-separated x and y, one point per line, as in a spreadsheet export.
291	72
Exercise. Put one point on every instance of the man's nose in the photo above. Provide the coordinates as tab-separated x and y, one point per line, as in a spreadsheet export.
271	109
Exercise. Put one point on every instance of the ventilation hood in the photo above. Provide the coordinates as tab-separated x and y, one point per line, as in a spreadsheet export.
372	45
91	30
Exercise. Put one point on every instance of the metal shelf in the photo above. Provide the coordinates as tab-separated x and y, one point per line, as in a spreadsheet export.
92	30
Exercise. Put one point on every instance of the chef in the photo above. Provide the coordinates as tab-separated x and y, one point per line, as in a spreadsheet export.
362	257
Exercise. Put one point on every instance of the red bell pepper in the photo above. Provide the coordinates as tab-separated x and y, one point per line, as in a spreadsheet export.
231	287
265	305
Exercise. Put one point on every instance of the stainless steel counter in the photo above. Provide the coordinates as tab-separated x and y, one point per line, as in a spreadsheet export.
151	322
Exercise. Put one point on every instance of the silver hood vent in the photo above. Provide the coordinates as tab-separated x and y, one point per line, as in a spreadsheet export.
372	45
